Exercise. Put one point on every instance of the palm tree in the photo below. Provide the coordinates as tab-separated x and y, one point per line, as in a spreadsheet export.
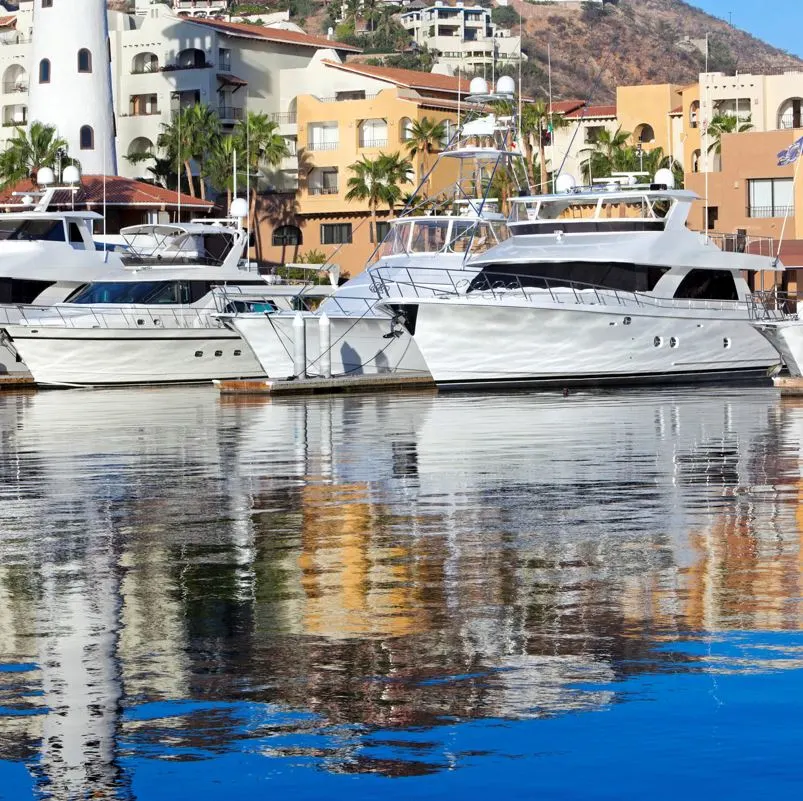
537	123
725	124
606	154
204	132
258	143
218	166
377	181
425	136
177	140
28	151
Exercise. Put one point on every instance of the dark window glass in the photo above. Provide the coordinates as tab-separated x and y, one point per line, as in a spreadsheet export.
15	290
548	275
47	3
84	60
287	235
335	233
46	230
75	234
87	138
44	71
708	285
382	229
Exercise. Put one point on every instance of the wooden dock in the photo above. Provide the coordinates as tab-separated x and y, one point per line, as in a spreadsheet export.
16	382
788	385
389	382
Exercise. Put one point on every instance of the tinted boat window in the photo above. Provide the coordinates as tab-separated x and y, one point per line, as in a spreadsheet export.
708	285
27	230
128	292
15	290
545	275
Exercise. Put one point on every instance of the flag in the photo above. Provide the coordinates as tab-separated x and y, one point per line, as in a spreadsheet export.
791	154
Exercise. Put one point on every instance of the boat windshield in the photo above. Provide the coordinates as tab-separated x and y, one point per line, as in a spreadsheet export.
131	292
33	230
577	207
431	235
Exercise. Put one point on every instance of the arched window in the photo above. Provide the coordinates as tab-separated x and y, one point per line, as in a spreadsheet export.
44	70
145	62
287	235
405	129
84	60
15	79
695	161
140	146
790	114
191	58
644	134
694	113
86	138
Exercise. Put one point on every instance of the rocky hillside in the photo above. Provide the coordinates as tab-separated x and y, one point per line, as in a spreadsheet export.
635	41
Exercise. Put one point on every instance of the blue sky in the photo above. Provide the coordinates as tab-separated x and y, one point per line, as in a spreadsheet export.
779	22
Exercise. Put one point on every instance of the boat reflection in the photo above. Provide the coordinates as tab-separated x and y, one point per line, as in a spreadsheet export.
181	573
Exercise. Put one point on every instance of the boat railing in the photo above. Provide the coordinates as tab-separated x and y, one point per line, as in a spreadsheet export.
775	305
740	242
499	286
108	316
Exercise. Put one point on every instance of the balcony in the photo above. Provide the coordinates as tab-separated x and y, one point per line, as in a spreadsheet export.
284	117
323	145
323	190
14	116
374	143
770	212
14	38
177	67
227	113
15	87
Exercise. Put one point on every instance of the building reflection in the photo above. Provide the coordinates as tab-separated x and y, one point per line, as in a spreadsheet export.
380	562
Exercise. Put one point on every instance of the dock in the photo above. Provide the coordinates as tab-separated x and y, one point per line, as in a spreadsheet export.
388	382
16	382
789	385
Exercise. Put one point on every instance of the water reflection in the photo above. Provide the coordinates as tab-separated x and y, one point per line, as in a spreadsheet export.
316	581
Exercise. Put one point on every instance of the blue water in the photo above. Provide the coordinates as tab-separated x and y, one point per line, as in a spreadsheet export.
524	596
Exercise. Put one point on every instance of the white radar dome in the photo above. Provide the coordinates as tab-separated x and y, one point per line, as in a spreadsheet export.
71	175
478	86
45	176
565	183
239	208
506	86
664	176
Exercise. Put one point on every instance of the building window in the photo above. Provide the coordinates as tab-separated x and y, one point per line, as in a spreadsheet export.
373	133
695	160
382	229
790	114
592	134
770	197
47	3
84	60
694	113
322	136
287	235
44	70
145	62
336	233
644	134
86	138
405	129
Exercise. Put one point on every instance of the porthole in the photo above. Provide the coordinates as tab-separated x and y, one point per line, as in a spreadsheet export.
658	341
140	321
198	354
218	353
726	342
673	342
626	321
238	353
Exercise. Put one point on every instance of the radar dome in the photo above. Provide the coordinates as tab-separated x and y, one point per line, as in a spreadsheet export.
239	208
664	176
506	86
565	183
478	86
71	175
45	176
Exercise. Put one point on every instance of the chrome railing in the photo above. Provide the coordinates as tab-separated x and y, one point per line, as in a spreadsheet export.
775	305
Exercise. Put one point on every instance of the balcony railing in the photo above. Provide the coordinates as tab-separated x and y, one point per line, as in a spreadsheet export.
14	39
230	113
323	145
374	143
767	212
177	67
284	117
323	190
15	123
368	96
142	112
15	87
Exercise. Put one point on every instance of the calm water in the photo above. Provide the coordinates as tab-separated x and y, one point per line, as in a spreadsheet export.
525	596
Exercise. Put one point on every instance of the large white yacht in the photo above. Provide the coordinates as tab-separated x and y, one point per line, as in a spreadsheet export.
595	285
153	320
440	229
777	318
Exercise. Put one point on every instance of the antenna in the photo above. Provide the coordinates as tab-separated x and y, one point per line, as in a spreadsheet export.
105	246
707	122
550	126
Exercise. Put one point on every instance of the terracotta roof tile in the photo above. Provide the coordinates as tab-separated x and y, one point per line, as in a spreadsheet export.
274	34
678	110
587	112
566	106
412	79
119	192
6	21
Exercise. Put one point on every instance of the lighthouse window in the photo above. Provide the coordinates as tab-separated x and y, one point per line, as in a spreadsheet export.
44	70
87	137
84	60
47	3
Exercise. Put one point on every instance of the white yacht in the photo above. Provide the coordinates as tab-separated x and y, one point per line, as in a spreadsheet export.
595	285
153	321
439	230
776	317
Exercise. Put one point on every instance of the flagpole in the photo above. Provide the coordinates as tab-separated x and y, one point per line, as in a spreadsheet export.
799	143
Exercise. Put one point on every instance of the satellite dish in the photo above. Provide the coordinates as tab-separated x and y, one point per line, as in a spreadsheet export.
45	176
71	175
239	208
565	183
506	86
478	86
664	176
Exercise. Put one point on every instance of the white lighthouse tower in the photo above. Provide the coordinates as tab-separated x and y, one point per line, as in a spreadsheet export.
70	79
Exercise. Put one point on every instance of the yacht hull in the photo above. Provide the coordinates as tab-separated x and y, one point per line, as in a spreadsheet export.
62	356
467	343
786	336
359	346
